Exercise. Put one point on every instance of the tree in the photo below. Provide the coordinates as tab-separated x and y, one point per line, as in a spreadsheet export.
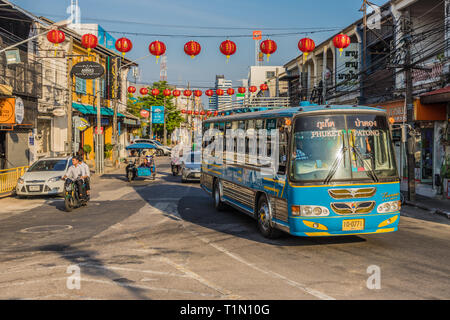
172	115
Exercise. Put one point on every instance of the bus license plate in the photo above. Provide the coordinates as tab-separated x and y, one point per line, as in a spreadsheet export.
354	224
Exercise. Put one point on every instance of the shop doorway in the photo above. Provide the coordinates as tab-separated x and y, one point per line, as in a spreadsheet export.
2	150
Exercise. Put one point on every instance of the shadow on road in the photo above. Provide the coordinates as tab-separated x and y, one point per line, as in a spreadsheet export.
92	266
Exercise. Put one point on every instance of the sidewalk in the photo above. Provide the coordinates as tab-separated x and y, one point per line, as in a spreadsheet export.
436	206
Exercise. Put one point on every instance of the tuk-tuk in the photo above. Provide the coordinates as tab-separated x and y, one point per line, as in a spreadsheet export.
141	162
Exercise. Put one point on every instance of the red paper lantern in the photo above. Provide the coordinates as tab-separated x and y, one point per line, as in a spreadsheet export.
241	90
131	89
189	112
253	89
144	113
176	93
157	48
268	47
89	41
187	93
192	48
216	113
306	45
183	111
124	45
202	113
143	91
228	48
56	36
167	92
209	93
219	92
196	113
155	92
230	91
198	93
264	87
208	113
341	41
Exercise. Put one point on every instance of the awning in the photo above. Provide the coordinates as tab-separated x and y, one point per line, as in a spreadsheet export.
90	110
436	96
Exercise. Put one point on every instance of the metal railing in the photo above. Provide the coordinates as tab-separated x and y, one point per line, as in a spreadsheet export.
257	103
9	177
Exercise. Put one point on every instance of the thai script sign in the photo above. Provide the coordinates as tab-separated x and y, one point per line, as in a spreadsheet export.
347	68
88	70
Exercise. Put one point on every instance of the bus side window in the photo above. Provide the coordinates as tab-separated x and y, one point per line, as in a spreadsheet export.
250	130
259	124
271	124
283	143
206	127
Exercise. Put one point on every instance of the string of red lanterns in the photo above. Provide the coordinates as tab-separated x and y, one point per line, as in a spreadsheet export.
89	41
124	45
192	48
143	91
306	45
157	48
228	48
341	41
131	89
268	47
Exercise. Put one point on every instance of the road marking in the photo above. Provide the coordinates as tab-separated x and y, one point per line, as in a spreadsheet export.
224	292
293	283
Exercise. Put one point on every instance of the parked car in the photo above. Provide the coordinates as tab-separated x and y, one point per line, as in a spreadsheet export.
191	166
44	177
162	150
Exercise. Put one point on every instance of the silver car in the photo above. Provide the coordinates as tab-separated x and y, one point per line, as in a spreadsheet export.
44	177
191	166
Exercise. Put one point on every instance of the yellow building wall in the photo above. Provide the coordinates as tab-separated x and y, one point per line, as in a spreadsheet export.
89	98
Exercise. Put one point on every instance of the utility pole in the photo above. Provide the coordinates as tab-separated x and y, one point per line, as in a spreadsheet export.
70	99
409	106
115	97
99	156
165	128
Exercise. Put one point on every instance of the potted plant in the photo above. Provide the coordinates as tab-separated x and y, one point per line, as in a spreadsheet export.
108	150
87	150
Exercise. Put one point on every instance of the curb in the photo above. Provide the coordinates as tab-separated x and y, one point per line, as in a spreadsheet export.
432	210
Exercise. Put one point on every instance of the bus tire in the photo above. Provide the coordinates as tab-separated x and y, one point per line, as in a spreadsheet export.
218	203
264	218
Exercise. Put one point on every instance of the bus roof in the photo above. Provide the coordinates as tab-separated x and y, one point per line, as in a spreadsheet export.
289	112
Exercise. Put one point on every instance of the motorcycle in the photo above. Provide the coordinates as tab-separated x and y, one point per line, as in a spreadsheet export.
72	198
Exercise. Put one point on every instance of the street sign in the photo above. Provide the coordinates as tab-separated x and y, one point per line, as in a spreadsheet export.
257	35
157	114
144	113
87	70
99	131
80	123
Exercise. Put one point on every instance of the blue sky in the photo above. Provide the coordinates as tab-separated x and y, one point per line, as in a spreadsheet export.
232	16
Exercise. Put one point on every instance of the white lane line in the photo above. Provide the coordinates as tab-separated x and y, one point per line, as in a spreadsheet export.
224	292
293	283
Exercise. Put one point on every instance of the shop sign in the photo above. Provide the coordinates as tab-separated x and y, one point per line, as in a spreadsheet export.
88	70
396	113
59	112
129	121
97	131
7	111
20	110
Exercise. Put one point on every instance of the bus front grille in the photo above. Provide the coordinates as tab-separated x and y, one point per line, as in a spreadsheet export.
347	208
353	193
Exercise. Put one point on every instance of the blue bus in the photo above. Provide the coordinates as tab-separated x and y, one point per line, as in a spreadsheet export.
335	172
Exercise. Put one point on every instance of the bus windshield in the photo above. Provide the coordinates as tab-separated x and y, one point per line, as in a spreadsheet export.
342	147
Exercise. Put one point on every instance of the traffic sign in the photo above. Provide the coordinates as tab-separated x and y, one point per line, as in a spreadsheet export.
98	131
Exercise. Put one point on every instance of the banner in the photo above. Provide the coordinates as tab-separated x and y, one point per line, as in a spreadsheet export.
157	114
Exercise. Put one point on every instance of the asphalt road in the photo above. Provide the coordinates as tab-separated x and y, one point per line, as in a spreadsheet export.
163	239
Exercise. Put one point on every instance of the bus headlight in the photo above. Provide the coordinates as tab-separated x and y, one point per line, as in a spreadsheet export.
387	207
309	211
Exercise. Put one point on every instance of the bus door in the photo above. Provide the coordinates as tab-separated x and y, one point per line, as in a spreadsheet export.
283	127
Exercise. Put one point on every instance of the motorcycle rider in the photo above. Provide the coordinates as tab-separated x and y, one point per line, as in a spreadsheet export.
74	174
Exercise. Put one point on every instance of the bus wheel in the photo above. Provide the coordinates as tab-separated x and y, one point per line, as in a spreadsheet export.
218	204
265	225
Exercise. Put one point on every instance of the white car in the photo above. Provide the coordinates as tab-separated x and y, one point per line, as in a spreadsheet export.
44	177
191	166
162	150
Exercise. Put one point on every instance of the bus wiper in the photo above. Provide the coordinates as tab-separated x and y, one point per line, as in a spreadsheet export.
371	173
336	163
